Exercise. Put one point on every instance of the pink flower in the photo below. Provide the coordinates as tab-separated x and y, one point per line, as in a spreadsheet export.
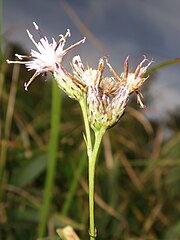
49	56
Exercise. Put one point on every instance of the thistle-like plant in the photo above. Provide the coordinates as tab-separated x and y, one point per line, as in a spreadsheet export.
103	99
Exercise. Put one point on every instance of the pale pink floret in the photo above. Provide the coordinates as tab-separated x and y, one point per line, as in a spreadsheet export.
133	80
49	56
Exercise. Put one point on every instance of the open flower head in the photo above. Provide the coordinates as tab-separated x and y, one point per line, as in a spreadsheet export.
48	56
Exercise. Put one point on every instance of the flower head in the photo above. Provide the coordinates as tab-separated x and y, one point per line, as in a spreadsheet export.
132	80
49	56
107	97
76	84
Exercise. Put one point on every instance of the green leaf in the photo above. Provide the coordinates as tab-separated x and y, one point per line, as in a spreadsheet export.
161	65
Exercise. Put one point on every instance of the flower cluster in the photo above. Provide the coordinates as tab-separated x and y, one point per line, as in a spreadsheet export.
106	96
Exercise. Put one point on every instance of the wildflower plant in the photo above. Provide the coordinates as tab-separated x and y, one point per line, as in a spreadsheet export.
103	99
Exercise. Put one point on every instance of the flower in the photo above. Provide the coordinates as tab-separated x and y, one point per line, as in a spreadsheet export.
49	56
132	80
72	83
76	85
107	97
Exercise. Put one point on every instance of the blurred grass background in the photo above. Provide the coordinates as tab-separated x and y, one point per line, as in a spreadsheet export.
137	174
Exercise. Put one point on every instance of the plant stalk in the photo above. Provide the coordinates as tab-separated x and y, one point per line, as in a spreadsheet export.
1	33
92	162
52	157
83	105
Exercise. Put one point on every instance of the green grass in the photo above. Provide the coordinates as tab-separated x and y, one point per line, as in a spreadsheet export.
137	176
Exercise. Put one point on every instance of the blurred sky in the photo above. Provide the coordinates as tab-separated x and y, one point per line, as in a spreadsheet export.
116	28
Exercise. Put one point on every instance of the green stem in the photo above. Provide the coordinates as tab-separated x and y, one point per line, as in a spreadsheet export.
92	162
3	147
161	65
1	50
1	33
83	105
52	157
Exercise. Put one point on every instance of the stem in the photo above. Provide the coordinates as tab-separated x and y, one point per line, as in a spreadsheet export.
161	65
1	50
3	146
83	105
52	157
92	162
1	33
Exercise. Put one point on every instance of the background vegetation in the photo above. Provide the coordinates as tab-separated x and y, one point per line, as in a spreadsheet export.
137	175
